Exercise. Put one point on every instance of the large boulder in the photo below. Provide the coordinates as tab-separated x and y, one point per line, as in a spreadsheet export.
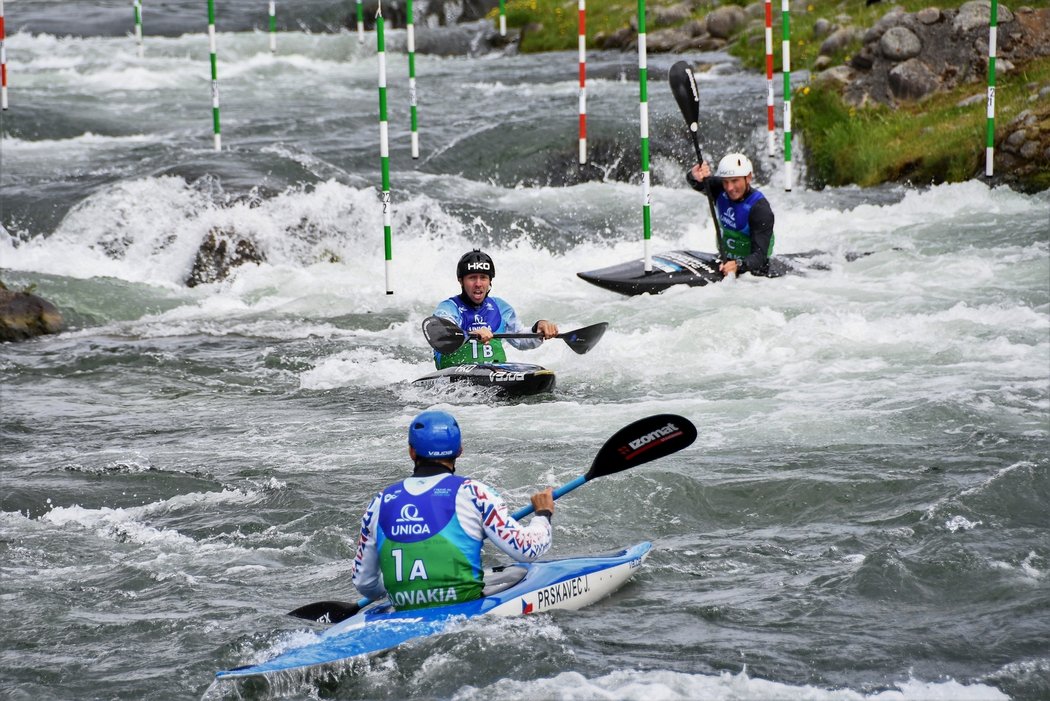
23	315
221	251
726	21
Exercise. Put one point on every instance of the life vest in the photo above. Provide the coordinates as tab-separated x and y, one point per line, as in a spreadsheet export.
425	556
473	351
734	218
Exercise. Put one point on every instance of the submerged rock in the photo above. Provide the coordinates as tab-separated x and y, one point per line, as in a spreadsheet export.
24	315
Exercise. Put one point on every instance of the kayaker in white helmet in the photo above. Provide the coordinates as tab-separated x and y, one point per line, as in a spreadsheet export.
421	538
481	315
744	215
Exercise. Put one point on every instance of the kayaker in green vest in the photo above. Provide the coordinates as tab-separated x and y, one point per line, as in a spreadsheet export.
744	215
421	538
481	316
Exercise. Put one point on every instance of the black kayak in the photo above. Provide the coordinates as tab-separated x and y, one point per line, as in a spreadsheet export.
692	268
507	379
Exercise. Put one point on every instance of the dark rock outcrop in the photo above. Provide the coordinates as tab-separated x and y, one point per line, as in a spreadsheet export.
907	56
220	252
24	315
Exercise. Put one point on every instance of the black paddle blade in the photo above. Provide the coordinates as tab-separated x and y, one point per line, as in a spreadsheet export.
326	611
683	85
582	340
643	441
443	335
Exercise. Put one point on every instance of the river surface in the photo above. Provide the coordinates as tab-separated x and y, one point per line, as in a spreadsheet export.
864	514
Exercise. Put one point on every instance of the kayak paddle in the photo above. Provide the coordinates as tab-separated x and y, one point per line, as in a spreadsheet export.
637	443
686	94
445	336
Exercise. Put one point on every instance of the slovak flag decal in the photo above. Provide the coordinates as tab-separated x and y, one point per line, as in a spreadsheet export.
526	607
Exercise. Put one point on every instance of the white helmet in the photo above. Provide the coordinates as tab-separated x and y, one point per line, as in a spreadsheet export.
734	165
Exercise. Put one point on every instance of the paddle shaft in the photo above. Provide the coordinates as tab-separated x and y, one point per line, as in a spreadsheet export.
691	112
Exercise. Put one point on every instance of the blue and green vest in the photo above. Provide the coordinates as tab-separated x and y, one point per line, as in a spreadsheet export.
426	557
469	319
734	218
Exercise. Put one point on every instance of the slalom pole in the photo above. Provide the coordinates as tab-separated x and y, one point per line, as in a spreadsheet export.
384	144
3	60
502	18
583	80
770	121
410	40
989	158
360	22
786	49
214	76
273	26
643	112
137	9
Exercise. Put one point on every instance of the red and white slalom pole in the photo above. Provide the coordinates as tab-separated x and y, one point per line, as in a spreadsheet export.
770	120
3	60
583	81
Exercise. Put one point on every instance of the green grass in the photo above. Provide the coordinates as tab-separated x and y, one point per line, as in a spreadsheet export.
553	25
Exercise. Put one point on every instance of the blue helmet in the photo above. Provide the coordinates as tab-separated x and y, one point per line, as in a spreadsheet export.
435	434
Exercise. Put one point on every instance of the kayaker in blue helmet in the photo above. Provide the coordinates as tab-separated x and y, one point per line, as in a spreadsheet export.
421	537
744	215
481	315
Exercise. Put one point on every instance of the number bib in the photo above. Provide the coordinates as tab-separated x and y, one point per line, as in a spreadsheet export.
425	556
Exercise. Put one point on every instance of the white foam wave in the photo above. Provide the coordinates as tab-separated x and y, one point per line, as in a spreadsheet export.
662	685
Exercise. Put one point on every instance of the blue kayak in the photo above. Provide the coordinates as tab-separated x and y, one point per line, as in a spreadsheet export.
513	590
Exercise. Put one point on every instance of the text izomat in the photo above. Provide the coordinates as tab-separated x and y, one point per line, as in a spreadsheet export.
653	435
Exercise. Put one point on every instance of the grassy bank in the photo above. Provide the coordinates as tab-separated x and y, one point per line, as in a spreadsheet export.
932	141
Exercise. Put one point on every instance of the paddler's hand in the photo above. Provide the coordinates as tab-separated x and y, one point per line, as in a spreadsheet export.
484	334
544	501
700	171
547	329
729	267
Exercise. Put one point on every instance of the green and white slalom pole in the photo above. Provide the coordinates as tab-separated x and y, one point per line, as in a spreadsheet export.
136	7
410	40
214	76
360	22
643	112
502	18
273	26
785	8
3	60
989	157
384	145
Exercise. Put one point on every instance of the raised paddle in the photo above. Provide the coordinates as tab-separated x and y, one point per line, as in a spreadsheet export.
445	336
686	94
637	443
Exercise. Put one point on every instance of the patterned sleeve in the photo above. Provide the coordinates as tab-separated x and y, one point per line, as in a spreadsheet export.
366	573
511	324
482	509
448	310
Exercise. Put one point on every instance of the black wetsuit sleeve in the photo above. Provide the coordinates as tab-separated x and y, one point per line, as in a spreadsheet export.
710	186
761	224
